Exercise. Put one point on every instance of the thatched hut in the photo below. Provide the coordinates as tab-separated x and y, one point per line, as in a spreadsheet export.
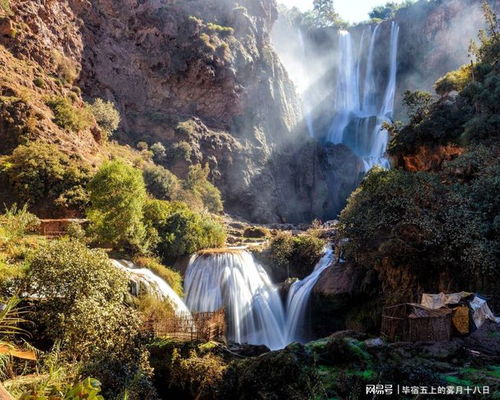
411	322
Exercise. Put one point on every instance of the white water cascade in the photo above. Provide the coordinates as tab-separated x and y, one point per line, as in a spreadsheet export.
362	108
298	300
152	282
254	310
234	280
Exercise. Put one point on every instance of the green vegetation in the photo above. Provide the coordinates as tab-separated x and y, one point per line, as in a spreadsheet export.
83	311
388	10
197	183
161	183
106	115
117	197
173	278
68	116
182	231
41	172
222	30
441	220
296	254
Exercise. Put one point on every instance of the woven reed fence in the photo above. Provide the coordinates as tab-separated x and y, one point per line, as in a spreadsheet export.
413	322
203	326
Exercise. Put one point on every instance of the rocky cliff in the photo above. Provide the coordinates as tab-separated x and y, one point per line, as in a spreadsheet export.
199	77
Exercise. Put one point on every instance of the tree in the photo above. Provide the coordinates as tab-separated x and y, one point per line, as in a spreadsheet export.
388	10
197	182
81	298
117	197
40	171
161	183
106	115
324	12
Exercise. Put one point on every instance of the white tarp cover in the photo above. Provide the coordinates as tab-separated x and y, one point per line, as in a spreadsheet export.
480	309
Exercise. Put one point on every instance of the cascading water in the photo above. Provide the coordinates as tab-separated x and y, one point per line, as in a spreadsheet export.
254	310
361	110
298	300
153	284
234	280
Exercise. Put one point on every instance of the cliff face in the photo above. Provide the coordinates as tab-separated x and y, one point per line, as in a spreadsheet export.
199	77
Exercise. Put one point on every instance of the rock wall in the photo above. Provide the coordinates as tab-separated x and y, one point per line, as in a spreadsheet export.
200	77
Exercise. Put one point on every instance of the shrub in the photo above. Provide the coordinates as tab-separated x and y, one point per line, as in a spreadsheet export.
65	67
180	151
297	254
159	151
223	30
161	183
454	80
173	278
39	82
40	171
68	116
82	296
117	197
256	232
106	115
198	183
185	232
200	374
5	6
17	222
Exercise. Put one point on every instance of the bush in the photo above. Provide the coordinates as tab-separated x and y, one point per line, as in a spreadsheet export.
40	171
68	116
198	183
184	232
17	222
106	115
161	183
297	254
159	152
180	151
256	232
117	198
454	80
81	299
200	374
173	278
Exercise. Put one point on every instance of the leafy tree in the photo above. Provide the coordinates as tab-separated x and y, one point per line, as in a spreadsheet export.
325	14
197	182
159	152
69	116
182	231
82	299
40	171
117	197
388	10
161	183
106	115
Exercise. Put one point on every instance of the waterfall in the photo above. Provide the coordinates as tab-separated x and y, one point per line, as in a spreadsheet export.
152	283
234	280
254	310
361	110
298	300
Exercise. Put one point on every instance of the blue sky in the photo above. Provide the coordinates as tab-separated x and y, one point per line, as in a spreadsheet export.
351	10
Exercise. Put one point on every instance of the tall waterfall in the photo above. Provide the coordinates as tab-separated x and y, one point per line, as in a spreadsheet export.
153	283
234	280
361	106
298	300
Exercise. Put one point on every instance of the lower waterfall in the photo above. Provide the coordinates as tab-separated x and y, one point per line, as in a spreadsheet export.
233	280
298	300
254	309
152	283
